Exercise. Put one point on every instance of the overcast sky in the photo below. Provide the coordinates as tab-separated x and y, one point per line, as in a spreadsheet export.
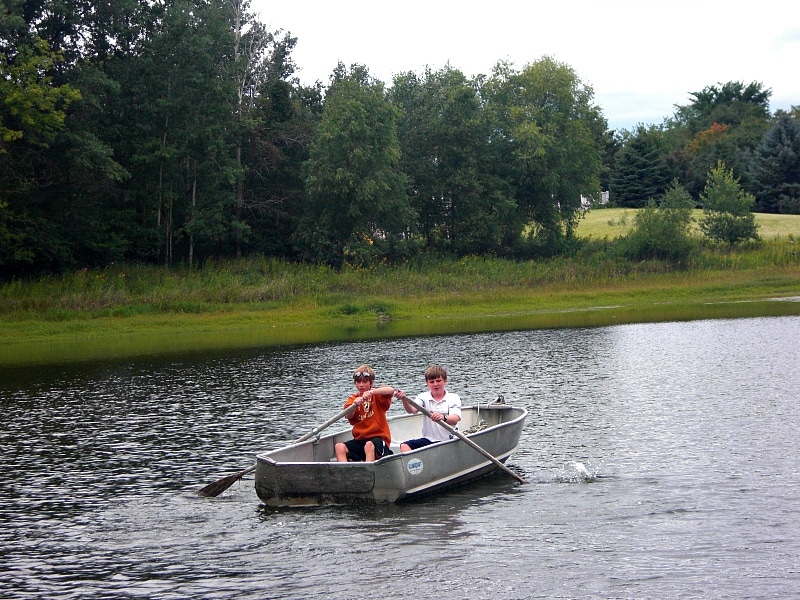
641	57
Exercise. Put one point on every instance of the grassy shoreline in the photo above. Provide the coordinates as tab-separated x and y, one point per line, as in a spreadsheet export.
367	304
133	310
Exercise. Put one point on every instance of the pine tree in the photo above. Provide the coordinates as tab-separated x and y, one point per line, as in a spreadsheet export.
775	170
727	215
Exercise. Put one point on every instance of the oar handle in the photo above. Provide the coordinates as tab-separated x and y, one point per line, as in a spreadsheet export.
468	441
326	424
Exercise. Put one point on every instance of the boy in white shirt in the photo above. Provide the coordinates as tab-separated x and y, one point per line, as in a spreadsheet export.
443	406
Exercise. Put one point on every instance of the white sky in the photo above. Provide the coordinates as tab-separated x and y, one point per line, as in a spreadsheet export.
641	57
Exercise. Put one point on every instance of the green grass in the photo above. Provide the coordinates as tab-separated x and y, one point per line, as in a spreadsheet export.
601	223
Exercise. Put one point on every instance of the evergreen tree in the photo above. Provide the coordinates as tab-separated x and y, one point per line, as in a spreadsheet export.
285	120
641	172
727	215
775	169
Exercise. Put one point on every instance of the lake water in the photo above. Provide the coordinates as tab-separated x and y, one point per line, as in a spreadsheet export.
663	461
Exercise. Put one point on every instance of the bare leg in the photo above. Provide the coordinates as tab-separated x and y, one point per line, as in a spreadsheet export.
341	452
405	448
369	450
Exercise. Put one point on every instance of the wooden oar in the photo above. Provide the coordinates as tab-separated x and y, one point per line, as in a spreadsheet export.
468	441
214	489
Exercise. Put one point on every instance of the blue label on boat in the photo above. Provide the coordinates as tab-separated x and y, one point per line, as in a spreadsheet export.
415	466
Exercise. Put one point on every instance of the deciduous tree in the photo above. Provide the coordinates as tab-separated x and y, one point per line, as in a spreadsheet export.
548	139
444	135
723	122
662	229
355	193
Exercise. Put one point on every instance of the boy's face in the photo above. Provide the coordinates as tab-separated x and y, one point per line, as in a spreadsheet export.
362	381
436	385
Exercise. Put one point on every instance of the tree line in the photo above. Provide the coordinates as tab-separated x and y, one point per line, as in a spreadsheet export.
174	131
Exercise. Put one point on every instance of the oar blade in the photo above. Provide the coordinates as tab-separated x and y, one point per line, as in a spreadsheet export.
212	490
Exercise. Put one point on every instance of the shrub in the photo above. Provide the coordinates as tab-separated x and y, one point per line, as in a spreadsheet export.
662	231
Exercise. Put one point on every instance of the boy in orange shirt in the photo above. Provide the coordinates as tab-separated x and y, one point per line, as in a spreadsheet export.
371	435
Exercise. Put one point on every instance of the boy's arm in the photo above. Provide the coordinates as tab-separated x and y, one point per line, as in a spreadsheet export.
385	390
383	395
352	416
408	405
454	407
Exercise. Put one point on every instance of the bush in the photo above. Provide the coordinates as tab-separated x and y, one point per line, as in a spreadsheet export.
662	231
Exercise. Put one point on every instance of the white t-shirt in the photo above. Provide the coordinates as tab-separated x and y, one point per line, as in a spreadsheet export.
449	405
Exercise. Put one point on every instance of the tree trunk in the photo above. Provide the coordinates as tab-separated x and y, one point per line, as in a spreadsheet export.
191	221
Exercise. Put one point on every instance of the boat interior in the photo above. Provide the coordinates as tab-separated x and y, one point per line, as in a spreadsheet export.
403	427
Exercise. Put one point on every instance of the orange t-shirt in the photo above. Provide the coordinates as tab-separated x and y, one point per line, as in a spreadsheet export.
369	419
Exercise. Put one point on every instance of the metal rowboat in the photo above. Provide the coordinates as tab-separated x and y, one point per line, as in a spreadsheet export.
307	473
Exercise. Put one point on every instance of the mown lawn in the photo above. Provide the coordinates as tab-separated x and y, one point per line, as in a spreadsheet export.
611	223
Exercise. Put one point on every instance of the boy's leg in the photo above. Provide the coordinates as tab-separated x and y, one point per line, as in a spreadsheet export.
341	452
379	449
369	451
409	445
355	450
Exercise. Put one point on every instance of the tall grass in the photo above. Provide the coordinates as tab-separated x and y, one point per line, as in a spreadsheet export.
261	283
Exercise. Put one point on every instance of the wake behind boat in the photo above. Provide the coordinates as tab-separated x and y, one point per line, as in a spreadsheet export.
307	473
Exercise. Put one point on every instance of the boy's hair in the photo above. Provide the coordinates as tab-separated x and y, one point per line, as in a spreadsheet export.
368	369
434	372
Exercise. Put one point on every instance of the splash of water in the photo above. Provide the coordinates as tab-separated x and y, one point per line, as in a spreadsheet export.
578	472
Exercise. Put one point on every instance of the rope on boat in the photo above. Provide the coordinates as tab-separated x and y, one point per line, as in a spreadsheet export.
481	424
